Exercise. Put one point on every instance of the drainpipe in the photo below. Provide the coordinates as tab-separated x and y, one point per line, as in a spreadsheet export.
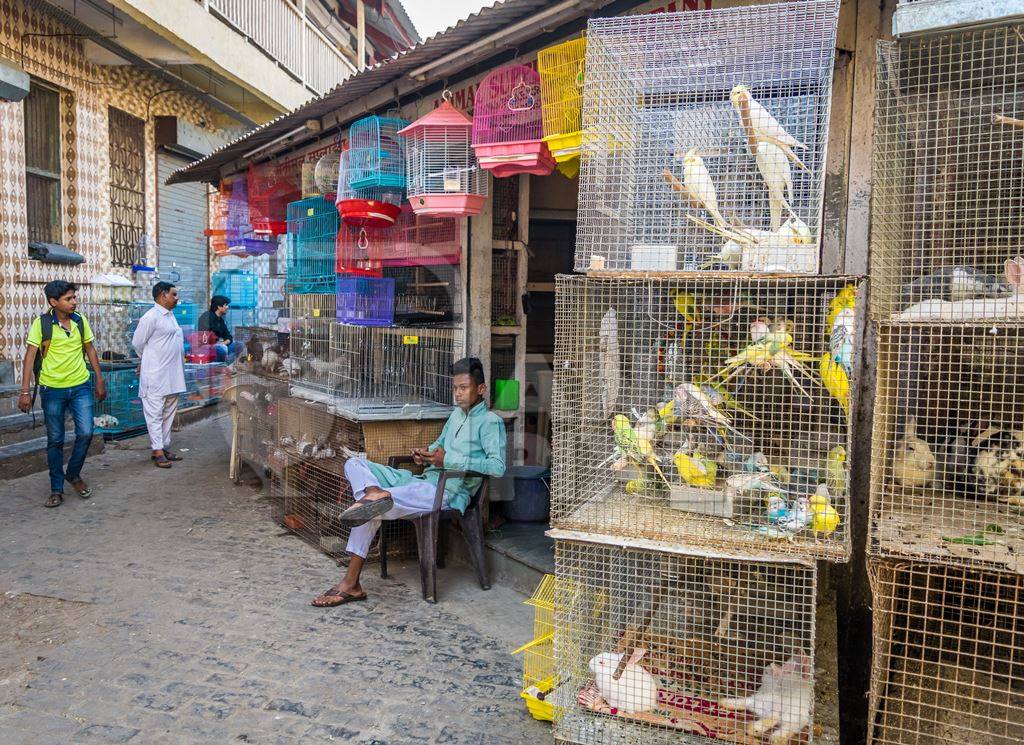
360	35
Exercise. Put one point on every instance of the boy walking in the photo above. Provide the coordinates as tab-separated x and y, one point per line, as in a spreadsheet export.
58	342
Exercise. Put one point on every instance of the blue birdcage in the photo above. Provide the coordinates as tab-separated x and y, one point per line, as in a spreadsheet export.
121	411
376	153
239	286
187	315
312	232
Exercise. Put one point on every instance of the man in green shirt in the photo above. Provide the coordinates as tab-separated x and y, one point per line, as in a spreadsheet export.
473	439
62	338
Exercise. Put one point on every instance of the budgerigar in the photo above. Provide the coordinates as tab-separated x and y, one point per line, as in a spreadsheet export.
841	339
774	166
771	351
637	450
697	180
695	406
695	468
744	483
835	470
760	126
824	517
798	518
836	381
913	464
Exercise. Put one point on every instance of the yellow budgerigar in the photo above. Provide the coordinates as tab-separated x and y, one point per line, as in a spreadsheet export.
695	469
835	470
824	517
836	381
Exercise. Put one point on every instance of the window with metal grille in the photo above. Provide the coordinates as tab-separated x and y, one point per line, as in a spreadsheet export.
127	188
42	163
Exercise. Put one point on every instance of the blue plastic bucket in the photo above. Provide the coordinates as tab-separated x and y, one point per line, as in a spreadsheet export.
532	494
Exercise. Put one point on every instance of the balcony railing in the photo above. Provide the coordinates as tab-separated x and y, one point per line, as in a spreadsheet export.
283	32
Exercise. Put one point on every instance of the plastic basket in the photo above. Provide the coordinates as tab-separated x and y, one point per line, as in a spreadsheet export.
366	301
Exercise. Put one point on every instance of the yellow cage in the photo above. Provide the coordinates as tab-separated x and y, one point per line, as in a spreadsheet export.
538	654
561	83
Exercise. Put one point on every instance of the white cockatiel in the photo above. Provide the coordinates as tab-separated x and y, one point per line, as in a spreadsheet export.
789	249
760	126
778	177
697	180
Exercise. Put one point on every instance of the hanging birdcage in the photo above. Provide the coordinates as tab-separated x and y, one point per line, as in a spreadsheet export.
561	70
444	178
313	231
352	254
419	240
272	187
704	139
376	153
371	207
508	133
325	173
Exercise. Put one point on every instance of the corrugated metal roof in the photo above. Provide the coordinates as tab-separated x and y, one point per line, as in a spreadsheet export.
477	26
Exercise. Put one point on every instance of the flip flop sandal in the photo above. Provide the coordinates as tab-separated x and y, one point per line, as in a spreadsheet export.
342	599
83	493
56	499
365	511
161	462
171	456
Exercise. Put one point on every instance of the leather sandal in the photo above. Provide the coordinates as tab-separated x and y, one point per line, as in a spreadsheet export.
56	499
161	461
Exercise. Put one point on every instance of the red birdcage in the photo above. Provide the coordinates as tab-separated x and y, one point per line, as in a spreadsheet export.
272	187
419	240
352	250
508	131
373	207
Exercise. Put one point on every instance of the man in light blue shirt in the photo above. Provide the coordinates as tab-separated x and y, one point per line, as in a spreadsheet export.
473	439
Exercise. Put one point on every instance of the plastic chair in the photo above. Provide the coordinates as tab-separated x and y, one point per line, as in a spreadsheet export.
427	531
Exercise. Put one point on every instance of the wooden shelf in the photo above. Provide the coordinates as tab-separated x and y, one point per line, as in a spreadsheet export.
507	245
506	330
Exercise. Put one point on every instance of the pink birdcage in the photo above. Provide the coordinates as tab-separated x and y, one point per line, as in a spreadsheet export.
272	187
419	240
352	249
508	127
443	175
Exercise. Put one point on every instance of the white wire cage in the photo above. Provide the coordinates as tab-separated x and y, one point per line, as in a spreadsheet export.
704	139
948	655
659	648
949	178
710	411
948	445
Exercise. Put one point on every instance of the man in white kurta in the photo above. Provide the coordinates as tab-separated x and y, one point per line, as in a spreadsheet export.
159	343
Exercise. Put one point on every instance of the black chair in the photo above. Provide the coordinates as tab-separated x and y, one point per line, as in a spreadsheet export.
428	529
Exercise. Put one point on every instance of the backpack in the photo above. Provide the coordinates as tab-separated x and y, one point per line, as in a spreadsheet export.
46	324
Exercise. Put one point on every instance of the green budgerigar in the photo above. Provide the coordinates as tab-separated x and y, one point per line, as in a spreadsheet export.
633	447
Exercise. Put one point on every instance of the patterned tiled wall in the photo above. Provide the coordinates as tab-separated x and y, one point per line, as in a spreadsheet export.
31	39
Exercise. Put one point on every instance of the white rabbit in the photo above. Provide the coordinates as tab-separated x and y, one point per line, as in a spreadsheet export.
783	701
1008	306
635	691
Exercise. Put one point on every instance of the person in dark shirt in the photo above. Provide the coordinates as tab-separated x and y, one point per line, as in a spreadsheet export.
212	320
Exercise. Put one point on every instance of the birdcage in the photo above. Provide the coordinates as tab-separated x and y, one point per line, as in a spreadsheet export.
561	70
504	285
266	353
948	655
239	286
427	295
352	254
947	461
314	361
231	231
505	210
313	305
108	322
187	315
653	646
376	153
365	301
710	411
109	289
508	134
256	399
272	187
120	412
369	207
313	229
444	178
420	240
393	373
948	178
705	137
539	653
326	164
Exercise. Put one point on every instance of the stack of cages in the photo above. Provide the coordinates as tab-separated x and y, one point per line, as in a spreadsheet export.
947	475
701	408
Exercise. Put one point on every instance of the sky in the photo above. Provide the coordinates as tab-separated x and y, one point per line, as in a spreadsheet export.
431	16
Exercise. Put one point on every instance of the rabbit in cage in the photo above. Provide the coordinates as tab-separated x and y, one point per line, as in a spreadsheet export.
782	703
995	303
633	690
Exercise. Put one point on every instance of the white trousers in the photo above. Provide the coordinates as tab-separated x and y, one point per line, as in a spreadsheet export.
159	412
412	499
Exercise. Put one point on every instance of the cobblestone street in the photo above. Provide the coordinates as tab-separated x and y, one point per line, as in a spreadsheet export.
170	609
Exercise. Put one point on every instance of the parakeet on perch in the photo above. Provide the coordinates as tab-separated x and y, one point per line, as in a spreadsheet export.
824	517
637	450
698	183
767	351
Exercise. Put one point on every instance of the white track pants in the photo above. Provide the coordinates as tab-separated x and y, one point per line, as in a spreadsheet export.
411	499
159	412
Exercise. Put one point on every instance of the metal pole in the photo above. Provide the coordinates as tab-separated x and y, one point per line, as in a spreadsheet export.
361	35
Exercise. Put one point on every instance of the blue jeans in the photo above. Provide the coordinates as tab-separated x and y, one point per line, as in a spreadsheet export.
223	351
56	403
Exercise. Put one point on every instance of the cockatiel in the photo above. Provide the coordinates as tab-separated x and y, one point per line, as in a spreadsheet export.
759	126
774	166
637	450
913	464
697	180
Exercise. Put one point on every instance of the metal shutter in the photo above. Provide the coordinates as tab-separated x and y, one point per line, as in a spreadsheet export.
182	218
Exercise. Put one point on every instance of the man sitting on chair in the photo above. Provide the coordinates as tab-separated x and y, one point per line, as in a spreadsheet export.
473	439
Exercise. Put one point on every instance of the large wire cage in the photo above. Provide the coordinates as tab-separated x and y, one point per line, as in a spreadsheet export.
427	295
705	139
240	286
313	230
421	240
561	70
120	412
948	178
376	153
653	646
948	655
947	476
710	411
255	399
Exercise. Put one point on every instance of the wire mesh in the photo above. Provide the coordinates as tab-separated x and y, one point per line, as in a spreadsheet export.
373	206
948	447
271	187
121	410
239	286
507	123
420	240
256	398
108	322
504	286
205	383
727	647
266	354
947	655
561	70
711	411
352	252
443	175
505	209
700	129
376	153
365	301
313	228
312	305
314	357
949	177
539	653
427	295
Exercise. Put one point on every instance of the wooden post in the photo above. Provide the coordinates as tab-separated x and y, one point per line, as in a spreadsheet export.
360	35
478	312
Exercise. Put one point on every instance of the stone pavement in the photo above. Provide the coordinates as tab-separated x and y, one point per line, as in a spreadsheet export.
169	609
